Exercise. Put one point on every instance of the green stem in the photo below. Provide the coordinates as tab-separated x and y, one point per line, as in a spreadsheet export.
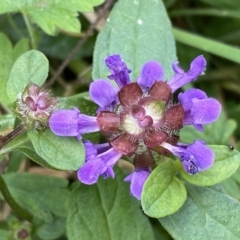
30	31
20	212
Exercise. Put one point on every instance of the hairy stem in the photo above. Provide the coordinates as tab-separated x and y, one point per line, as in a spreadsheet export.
9	137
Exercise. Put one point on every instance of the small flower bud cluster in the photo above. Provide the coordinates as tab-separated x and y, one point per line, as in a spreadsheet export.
35	105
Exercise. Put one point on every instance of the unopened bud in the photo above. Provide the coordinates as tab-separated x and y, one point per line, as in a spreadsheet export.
35	105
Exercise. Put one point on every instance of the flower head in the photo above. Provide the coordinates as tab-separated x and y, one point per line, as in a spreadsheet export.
138	118
35	105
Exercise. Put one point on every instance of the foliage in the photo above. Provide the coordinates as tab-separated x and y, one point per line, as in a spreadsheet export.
201	206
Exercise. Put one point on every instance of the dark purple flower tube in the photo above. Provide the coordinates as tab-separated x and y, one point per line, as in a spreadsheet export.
72	123
137	179
197	67
195	157
118	69
100	160
198	108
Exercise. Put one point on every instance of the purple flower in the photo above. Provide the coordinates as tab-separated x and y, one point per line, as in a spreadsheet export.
198	108
100	159
139	118
195	157
118	69
137	179
72	123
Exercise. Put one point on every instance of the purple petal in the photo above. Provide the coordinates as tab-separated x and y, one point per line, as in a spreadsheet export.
151	71
118	69
90	150
176	68
194	157
103	93
203	154
65	122
186	98
110	157
190	166
199	127
98	164
137	178
72	123
87	124
90	171
203	111
181	78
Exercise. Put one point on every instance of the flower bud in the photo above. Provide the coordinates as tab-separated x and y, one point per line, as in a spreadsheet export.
35	105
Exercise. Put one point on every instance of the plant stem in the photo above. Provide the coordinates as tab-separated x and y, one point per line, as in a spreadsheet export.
30	31
9	137
20	212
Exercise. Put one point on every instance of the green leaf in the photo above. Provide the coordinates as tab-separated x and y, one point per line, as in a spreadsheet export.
81	101
52	14
6	62
225	164
63	153
4	234
28	150
106	211
139	31
21	47
52	230
15	143
207	214
16	159
6	123
45	194
231	187
219	49
32	66
163	194
7	57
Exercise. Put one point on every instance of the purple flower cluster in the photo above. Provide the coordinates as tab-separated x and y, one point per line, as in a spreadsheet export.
140	117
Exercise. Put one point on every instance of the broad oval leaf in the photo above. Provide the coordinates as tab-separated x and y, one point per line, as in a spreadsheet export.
31	67
43	192
101	211
139	31
163	194
65	153
225	164
207	214
6	62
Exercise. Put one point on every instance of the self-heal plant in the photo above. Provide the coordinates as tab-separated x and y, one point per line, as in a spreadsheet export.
139	118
